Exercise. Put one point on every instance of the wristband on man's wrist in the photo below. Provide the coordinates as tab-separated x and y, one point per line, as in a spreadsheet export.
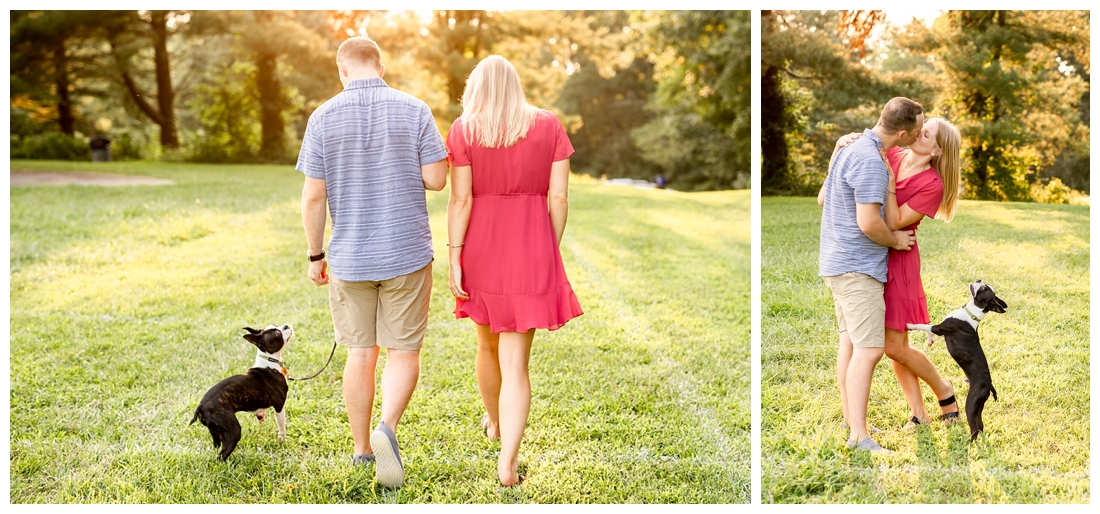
315	258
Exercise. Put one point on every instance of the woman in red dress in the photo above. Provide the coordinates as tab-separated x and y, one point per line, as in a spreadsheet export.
505	220
924	181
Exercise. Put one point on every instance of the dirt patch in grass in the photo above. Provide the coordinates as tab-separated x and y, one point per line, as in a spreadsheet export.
57	178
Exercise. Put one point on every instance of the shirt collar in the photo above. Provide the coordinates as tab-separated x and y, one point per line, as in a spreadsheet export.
874	137
364	83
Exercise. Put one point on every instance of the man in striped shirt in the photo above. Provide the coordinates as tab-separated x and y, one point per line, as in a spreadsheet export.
852	257
368	155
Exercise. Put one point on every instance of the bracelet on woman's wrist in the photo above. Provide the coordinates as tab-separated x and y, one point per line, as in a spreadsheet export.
456	246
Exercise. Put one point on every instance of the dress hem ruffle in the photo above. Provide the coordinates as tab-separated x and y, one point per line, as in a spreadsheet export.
549	310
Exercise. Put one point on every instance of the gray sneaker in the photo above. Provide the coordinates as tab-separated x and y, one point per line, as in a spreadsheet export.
362	460
387	465
870	445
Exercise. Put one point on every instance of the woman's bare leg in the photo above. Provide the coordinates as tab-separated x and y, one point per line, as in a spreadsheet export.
513	352
918	366
910	385
487	370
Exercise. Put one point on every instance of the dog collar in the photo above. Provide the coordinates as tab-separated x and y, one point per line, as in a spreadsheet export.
270	358
971	314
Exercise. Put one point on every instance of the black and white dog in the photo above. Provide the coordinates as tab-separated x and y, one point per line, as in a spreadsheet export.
263	386
960	330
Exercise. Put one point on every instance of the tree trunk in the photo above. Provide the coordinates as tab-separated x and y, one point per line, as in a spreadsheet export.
774	176
61	80
165	95
273	136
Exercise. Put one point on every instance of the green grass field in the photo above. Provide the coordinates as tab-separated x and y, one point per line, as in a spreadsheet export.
1036	445
127	303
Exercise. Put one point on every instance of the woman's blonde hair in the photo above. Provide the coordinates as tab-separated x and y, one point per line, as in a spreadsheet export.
946	165
495	111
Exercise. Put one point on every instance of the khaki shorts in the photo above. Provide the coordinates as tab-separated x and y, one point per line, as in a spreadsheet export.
860	308
390	313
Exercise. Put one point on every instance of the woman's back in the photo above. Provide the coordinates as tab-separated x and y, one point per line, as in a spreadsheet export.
523	168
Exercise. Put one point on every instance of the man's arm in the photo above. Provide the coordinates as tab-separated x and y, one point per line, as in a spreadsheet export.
314	214
435	175
875	228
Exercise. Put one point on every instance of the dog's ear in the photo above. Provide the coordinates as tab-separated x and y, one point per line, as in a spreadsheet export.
253	336
998	305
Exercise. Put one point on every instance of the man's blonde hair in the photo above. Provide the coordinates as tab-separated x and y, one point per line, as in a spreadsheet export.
495	112
359	51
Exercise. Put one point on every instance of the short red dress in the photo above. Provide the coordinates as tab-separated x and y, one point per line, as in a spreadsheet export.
905	301
511	265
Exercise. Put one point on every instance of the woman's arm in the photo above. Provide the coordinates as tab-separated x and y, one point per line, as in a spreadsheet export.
896	216
558	197
840	143
458	219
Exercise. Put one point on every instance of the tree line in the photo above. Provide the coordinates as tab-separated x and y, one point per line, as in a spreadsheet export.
642	93
1015	83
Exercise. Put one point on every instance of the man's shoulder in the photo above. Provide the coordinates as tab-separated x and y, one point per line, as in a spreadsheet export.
861	153
865	147
398	96
387	95
324	108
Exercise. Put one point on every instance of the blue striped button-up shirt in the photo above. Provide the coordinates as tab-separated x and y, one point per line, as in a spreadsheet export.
368	144
857	176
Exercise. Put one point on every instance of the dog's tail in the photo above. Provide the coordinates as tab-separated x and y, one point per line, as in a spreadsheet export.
994	391
195	417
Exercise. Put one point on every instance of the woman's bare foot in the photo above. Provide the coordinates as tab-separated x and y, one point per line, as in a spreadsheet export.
509	473
950	411
491	430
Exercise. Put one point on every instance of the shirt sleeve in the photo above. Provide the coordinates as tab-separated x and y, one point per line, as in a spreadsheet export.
431	142
563	148
869	179
927	200
457	151
311	158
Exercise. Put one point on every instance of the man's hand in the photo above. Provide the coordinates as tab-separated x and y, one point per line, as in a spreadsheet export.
904	239
318	272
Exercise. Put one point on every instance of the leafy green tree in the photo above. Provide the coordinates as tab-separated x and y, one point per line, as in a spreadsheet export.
227	114
1003	81
46	64
284	42
131	32
285	52
700	131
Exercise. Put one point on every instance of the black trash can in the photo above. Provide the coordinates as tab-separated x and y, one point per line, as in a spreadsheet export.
101	148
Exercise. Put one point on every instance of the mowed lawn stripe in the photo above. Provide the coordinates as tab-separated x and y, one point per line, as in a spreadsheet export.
127	304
